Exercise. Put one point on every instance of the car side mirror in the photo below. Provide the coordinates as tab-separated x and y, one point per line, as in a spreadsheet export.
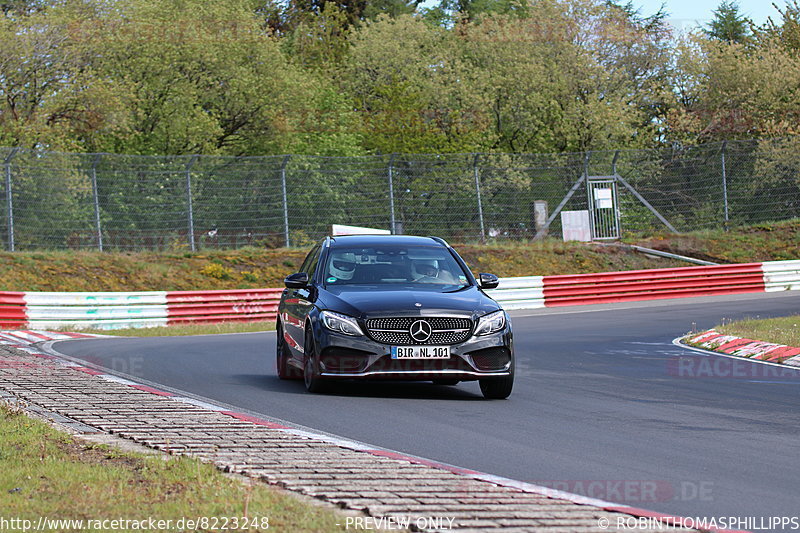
298	280
488	281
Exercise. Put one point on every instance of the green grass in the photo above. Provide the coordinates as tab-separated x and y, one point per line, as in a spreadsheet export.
773	241
188	329
250	268
784	330
46	473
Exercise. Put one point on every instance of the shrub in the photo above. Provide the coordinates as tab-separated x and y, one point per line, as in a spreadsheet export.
216	271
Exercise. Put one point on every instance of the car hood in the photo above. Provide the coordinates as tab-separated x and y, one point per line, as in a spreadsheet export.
373	301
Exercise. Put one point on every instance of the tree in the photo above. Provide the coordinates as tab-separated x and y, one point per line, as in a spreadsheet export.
786	31
202	78
271	15
408	83
50	95
573	75
735	93
299	11
729	25
21	8
319	41
392	8
449	12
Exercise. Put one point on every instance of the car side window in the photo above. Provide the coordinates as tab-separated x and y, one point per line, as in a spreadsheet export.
308	260
312	265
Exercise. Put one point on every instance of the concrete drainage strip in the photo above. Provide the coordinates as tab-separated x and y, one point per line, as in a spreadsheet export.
350	475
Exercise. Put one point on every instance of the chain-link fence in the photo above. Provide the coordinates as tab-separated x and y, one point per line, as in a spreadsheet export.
122	202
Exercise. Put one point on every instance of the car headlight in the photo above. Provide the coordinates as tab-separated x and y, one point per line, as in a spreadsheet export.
340	323
491	323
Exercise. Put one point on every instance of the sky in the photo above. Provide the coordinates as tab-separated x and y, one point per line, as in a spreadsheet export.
688	14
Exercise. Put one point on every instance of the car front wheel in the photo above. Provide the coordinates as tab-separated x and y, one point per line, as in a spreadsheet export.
314	382
284	369
498	388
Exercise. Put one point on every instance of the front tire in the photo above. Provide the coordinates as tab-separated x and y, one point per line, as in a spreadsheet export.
498	388
282	355
313	381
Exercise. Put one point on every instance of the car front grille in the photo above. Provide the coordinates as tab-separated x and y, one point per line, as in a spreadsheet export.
395	331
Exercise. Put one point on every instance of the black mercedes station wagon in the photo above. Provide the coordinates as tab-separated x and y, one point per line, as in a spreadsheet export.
392	307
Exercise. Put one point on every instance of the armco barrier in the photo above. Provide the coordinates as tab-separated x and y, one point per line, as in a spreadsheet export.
112	310
652	284
781	276
634	285
520	293
222	306
12	310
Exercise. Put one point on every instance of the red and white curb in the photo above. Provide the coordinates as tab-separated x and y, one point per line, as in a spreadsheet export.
40	343
755	350
23	339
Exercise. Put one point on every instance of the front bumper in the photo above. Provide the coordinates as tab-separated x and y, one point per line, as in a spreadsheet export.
347	357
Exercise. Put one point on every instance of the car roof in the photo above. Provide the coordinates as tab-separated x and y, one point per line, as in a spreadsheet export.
373	240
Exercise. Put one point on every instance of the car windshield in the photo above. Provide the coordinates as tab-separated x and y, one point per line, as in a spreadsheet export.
430	267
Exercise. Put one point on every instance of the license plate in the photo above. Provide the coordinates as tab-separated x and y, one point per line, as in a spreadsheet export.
420	352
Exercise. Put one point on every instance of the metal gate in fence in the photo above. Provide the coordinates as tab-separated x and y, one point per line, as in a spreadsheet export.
603	207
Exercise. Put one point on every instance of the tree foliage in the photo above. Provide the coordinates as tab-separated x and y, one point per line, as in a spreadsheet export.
50	92
383	76
407	81
786	30
728	24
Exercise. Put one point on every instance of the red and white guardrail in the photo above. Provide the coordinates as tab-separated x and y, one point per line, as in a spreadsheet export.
112	310
632	285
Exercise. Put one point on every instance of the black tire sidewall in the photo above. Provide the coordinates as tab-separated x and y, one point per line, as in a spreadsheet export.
280	360
311	377
498	388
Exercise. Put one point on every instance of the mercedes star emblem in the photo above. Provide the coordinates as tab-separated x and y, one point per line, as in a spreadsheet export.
420	331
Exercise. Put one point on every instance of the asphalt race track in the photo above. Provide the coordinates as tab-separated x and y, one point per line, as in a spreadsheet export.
600	399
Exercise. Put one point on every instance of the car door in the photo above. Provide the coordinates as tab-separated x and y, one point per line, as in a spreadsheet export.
298	303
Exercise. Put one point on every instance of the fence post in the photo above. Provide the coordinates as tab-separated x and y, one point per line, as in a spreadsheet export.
9	198
285	201
617	211
478	192
189	207
725	184
589	193
392	221
96	198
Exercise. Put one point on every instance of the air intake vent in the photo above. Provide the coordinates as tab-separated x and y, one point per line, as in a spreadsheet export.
491	358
